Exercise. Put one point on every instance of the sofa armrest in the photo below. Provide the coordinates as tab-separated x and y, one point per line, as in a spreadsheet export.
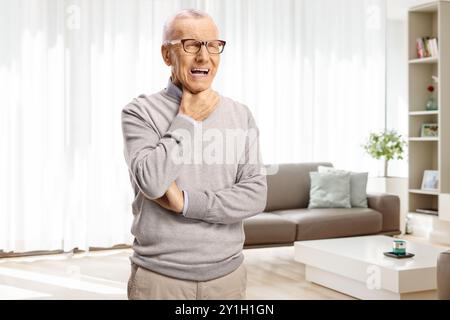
389	206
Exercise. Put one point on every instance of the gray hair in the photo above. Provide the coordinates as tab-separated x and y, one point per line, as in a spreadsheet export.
183	14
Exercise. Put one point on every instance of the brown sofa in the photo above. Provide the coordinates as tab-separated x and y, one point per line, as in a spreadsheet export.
287	218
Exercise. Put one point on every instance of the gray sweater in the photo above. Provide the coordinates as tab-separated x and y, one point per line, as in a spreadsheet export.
206	242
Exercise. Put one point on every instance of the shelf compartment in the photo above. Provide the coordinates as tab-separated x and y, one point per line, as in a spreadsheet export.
420	201
415	126
421	23
420	77
425	155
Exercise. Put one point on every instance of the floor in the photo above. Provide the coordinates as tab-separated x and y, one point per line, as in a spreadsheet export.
272	274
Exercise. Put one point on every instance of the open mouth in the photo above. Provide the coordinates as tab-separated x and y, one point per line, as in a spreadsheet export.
199	71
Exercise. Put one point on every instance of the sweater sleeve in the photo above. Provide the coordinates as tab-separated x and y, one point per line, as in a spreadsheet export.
152	158
246	198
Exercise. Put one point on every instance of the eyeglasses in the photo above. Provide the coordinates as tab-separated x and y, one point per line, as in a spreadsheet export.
194	46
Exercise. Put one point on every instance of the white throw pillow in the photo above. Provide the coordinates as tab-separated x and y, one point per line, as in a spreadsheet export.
329	190
358	185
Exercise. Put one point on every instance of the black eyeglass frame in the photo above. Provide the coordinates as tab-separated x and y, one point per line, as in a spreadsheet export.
202	43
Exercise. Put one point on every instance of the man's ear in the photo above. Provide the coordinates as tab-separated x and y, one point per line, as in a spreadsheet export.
166	55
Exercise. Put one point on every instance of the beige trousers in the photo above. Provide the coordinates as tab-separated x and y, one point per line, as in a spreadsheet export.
145	285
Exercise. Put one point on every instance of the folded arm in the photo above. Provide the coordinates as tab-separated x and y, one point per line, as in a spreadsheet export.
247	197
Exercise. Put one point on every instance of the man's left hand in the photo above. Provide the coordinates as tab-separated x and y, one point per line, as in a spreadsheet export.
173	199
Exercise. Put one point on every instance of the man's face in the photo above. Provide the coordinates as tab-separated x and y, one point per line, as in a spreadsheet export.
183	63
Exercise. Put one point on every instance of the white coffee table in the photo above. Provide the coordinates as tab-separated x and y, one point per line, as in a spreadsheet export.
356	266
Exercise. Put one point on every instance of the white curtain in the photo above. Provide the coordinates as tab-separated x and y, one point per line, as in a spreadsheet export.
312	72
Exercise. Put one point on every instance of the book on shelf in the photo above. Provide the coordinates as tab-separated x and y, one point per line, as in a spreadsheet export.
420	48
427	47
427	211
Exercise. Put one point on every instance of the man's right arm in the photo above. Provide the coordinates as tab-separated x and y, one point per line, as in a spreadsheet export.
149	155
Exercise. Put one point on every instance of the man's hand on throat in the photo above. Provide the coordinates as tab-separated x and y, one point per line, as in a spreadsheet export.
200	105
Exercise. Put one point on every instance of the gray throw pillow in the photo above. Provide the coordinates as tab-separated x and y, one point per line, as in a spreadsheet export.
329	190
358	186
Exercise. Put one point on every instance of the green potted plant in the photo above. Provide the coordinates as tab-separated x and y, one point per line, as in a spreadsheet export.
387	145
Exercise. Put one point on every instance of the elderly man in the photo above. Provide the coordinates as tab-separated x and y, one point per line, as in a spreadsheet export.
188	214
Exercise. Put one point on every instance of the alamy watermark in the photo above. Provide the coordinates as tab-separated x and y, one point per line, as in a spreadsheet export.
221	147
373	281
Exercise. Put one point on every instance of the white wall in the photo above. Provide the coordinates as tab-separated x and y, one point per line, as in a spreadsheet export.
396	88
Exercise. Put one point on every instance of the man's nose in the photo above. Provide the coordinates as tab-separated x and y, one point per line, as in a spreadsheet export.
203	54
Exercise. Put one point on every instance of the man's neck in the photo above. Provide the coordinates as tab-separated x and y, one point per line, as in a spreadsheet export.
177	83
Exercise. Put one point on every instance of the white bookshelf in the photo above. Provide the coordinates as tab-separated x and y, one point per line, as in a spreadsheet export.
429	153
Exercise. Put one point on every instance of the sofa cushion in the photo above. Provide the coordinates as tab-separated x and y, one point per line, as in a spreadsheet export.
329	190
324	223
358	186
289	187
267	228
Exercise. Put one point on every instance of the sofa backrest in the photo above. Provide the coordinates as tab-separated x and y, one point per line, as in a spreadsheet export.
289	187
